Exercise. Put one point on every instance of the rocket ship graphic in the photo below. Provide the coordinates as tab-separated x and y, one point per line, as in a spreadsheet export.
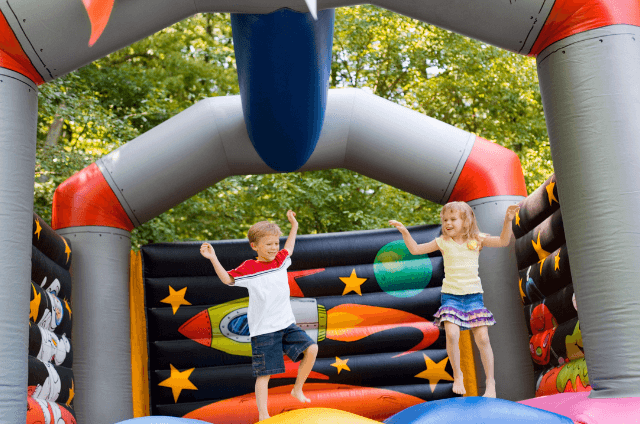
225	327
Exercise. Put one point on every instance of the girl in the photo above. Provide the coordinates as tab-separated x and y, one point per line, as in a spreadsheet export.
461	299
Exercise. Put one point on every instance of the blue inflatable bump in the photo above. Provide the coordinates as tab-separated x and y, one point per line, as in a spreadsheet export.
475	410
284	63
161	420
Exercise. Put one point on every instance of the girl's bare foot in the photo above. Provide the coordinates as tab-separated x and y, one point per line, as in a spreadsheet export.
263	417
458	385
297	393
490	392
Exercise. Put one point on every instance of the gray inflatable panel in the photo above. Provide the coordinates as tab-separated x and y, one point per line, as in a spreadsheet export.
101	331
18	120
591	95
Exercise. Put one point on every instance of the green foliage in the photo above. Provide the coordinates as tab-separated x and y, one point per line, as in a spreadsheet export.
463	82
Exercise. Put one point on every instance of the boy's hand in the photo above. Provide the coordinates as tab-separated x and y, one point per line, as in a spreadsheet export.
207	251
291	216
511	212
398	226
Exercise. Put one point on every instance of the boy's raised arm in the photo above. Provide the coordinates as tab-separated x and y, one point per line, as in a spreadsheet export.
291	240
207	251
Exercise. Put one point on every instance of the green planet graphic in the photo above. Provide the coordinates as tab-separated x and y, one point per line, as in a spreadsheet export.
399	273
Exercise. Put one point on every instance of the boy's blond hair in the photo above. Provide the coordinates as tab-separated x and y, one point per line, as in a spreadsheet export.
469	223
261	229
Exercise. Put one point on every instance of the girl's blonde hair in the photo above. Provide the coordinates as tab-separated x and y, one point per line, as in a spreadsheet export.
469	223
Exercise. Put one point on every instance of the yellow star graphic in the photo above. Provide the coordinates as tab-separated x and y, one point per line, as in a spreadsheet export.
38	228
518	218
178	382
435	372
538	248
67	249
341	365
557	259
66	305
542	263
352	283
176	299
71	394
550	194
34	305
522	295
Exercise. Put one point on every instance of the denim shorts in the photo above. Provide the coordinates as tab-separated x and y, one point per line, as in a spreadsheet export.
267	349
466	311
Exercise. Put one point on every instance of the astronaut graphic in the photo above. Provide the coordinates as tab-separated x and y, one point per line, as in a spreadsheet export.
53	287
53	348
50	388
51	318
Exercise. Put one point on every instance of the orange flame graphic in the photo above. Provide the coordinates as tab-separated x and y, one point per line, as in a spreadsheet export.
350	322
99	13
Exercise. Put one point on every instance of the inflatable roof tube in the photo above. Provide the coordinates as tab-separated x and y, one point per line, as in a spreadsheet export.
361	132
81	32
568	17
12	56
590	91
490	170
391	143
18	129
85	199
284	62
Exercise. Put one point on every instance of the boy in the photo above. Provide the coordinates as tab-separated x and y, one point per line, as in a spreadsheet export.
272	325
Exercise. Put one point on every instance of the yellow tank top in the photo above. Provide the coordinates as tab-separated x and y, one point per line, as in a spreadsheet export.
460	266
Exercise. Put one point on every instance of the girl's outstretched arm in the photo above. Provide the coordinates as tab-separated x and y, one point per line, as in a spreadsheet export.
412	245
505	236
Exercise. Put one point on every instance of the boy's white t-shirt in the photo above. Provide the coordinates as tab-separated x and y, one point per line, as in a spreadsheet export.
268	285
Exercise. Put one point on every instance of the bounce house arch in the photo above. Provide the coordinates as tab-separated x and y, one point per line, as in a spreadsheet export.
588	60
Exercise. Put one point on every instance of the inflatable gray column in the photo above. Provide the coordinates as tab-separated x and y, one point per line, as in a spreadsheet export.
101	331
499	275
591	96
18	119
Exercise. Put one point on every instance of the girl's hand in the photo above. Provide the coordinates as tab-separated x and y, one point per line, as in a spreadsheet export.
398	225
511	212
207	251
291	216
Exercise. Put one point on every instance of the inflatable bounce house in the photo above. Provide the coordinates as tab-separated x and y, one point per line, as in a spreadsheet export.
155	334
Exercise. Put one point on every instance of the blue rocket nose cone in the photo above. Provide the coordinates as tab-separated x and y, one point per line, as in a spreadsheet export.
284	63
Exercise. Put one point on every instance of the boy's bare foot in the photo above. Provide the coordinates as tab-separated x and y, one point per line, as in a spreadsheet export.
297	393
263	417
458	385
490	392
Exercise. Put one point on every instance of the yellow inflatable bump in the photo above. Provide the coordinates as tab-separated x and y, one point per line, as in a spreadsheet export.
318	416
